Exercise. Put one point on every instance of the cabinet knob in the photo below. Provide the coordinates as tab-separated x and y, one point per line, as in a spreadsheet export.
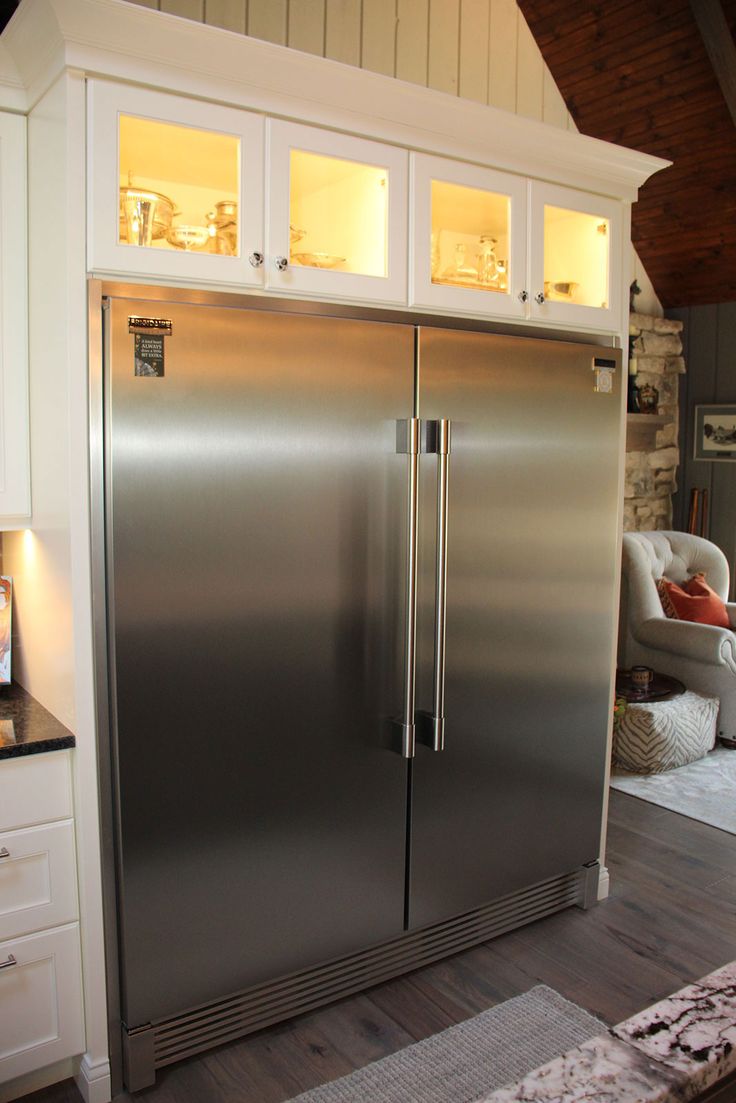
523	296
256	259
4	852
9	963
539	298
281	263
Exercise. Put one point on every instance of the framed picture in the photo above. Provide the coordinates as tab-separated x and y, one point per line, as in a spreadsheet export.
6	602
715	433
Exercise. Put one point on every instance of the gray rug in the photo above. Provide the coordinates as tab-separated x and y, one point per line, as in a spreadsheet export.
471	1059
704	790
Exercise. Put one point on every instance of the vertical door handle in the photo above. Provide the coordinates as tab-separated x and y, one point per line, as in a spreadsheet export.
407	442
432	725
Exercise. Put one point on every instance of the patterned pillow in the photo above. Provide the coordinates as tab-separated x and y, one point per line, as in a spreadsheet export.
694	601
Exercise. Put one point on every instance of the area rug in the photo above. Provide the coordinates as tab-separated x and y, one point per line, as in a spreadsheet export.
467	1061
705	790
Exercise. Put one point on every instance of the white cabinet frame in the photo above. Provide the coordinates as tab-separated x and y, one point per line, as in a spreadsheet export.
573	314
15	466
282	138
462	300
106	102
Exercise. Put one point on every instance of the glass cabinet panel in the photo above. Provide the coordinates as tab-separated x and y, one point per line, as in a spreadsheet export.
576	257
338	214
179	187
470	231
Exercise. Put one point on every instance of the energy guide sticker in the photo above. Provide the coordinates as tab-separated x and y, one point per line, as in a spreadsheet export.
149	354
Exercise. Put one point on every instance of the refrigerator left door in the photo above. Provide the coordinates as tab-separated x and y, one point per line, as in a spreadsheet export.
256	520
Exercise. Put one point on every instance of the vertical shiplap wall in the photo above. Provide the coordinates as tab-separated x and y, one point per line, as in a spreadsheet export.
480	50
709	348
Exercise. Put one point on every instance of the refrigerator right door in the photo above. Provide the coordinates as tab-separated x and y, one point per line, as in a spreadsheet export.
516	795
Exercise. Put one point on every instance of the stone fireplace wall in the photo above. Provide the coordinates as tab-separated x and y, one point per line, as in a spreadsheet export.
652	452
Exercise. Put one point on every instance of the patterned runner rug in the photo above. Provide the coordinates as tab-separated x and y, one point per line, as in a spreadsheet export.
705	790
466	1061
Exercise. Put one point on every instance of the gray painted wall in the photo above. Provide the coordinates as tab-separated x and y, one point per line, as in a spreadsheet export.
709	348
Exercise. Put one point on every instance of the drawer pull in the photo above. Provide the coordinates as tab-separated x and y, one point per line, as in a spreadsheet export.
4	852
9	963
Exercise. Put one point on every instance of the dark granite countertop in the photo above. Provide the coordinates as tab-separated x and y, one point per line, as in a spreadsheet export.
27	727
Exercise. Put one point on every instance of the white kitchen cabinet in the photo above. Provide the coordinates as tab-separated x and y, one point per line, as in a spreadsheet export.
41	1019
176	187
575	257
468	238
41	1006
15	483
495	244
337	215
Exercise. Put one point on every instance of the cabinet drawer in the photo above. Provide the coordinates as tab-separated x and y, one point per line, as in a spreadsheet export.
35	789
37	879
41	1017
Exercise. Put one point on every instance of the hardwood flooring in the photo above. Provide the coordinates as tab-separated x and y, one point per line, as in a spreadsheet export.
670	918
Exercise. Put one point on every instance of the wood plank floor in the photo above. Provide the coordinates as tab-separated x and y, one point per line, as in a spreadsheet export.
670	918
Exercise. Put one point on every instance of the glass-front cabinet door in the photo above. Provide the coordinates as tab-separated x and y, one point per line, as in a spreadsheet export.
176	187
336	215
575	254
469	238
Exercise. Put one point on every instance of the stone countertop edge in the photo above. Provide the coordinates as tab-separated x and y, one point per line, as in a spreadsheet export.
670	1053
26	727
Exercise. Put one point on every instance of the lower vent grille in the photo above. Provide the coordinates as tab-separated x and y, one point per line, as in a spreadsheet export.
165	1041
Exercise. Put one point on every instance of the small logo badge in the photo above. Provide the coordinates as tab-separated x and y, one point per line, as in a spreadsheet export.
604	372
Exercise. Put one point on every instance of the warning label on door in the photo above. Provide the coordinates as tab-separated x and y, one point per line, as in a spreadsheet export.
149	354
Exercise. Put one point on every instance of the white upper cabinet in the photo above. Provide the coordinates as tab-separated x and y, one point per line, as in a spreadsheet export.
575	257
493	244
337	215
468	238
15	484
176	187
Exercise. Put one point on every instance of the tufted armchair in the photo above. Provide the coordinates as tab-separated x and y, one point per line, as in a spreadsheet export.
700	655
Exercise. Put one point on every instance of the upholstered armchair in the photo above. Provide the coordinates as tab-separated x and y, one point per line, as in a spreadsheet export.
700	655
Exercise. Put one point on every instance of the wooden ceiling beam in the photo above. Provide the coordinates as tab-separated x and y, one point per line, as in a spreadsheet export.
719	46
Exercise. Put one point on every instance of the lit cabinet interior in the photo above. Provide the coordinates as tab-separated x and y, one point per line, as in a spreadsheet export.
338	214
469	237
179	187
576	257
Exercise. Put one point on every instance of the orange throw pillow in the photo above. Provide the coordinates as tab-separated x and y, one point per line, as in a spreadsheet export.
695	601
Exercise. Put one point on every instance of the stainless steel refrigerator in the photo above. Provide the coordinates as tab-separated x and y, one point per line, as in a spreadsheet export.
360	589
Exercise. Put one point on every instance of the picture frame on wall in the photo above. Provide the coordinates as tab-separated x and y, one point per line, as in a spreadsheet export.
715	433
6	625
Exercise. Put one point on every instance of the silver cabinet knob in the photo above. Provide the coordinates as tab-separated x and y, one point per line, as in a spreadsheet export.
281	263
523	296
539	298
256	259
4	852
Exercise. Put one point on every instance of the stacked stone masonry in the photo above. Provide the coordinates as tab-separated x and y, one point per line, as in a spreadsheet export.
651	475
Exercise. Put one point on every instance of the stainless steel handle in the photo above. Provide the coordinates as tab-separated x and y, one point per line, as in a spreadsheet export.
523	296
432	725
4	853
539	298
256	259
9	963
407	441
281	263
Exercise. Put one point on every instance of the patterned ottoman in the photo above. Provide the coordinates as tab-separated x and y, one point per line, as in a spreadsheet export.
660	735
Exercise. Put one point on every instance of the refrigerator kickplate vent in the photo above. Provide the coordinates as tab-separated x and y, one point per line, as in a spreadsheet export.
165	1041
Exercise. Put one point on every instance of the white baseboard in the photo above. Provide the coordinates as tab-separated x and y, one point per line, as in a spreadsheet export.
34	1081
93	1080
604	883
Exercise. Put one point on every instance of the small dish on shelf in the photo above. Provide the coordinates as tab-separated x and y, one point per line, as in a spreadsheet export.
189	237
317	260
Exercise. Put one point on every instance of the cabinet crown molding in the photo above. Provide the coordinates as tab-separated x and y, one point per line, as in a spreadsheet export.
126	42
